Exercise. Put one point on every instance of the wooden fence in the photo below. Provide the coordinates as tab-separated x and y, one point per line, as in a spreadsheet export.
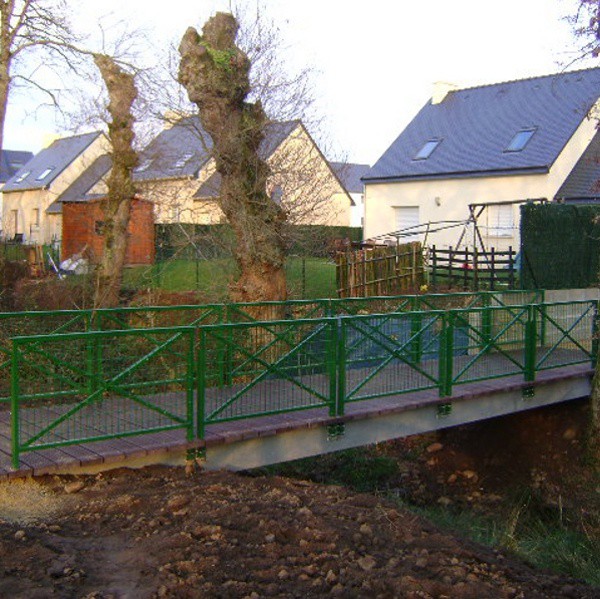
380	270
472	269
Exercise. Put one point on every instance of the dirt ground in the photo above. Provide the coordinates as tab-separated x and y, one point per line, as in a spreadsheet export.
159	532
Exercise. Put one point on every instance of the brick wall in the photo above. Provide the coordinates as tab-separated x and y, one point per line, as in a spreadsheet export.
82	226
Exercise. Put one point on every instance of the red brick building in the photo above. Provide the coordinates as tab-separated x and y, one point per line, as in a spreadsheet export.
82	230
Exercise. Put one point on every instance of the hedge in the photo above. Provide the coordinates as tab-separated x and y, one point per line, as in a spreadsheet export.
560	246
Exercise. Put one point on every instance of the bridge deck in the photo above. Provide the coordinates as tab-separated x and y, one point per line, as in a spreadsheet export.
117	452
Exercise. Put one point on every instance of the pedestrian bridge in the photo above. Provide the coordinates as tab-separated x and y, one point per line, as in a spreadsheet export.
127	387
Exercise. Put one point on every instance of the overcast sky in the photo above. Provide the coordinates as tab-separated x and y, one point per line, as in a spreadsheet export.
377	59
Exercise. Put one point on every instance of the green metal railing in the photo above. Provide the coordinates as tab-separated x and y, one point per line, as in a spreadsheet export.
137	381
14	324
128	382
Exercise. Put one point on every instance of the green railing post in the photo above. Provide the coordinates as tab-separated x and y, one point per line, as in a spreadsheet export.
595	333
446	362
543	324
14	400
416	324
201	386
190	380
530	343
94	363
339	338
487	315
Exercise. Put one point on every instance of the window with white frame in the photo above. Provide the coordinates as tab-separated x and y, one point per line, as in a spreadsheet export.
406	221
35	218
501	220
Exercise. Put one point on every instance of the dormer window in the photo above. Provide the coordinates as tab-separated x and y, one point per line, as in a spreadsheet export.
427	150
44	174
22	177
520	140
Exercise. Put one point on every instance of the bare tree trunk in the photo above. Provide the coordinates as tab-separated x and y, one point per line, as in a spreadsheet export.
215	73
4	87
5	64
122	93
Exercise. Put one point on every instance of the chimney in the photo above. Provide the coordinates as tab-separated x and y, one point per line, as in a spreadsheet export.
49	139
440	90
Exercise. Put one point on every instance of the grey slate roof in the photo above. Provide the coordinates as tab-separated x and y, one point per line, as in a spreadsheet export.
583	181
475	126
11	161
57	156
78	191
275	134
164	156
350	175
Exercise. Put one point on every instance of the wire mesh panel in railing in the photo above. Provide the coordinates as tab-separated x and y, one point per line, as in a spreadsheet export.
266	368
353	306
13	324
516	297
286	310
89	386
390	354
488	343
142	317
566	334
451	301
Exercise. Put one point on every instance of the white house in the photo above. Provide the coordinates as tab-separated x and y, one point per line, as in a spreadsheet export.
494	146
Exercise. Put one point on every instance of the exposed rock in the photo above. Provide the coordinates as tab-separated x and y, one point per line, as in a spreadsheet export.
74	486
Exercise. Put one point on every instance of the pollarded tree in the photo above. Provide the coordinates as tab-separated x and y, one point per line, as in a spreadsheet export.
28	27
122	93
215	73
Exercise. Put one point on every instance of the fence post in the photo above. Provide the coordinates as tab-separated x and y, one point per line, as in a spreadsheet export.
475	269
466	270
445	363
450	268
530	343
190	381
511	268
433	267
543	324
339	355
201	385
487	315
14	407
493	271
595	333
416	324
94	365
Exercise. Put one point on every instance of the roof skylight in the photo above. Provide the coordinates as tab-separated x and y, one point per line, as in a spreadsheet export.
144	166
44	174
520	140
427	150
22	177
181	162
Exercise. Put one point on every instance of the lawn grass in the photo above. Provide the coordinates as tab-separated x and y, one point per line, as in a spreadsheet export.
307	277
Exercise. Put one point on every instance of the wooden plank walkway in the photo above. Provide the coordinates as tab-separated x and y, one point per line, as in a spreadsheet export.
115	452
